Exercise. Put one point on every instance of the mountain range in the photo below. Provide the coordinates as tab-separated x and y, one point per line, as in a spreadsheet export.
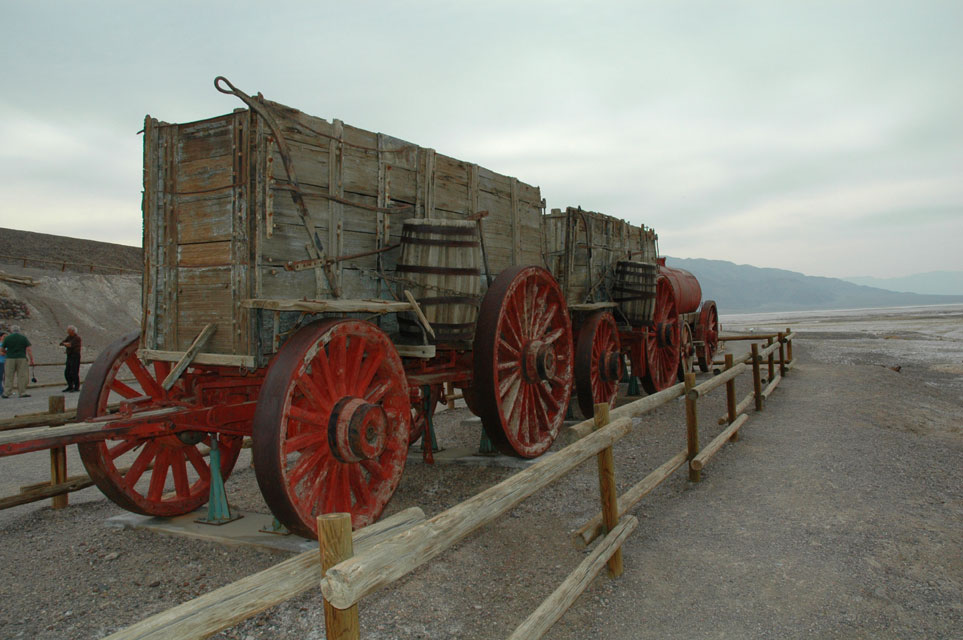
741	288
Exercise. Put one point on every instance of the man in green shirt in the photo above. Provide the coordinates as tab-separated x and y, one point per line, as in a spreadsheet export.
16	348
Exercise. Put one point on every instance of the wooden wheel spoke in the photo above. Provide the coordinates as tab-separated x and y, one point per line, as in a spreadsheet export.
508	381
375	470
158	476
123	447
144	377
304	441
353	361
179	468
368	370
336	356
306	462
199	463
309	501
318	396
141	463
546	319
123	389
359	487
307	416
555	335
375	394
516	352
324	371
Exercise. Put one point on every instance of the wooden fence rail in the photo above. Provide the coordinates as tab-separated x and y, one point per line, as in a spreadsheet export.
350	574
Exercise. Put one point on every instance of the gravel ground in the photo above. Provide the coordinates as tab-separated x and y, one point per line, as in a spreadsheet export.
836	515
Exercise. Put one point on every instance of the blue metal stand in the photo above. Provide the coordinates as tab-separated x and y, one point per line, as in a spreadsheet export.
218	510
276	528
633	389
485	446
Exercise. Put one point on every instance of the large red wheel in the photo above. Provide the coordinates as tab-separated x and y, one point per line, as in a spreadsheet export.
158	476
331	426
662	340
707	334
523	361
598	362
686	352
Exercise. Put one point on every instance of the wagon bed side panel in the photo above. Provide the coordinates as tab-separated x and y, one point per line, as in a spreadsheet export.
196	240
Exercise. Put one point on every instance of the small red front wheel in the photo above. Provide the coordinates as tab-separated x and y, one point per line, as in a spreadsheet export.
331	426
686	352
158	476
599	364
707	334
662	340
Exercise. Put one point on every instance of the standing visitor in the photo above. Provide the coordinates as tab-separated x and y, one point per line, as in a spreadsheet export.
16	348
72	370
2	360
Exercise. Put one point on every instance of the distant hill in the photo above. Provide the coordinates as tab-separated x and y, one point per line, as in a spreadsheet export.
51	252
740	288
949	283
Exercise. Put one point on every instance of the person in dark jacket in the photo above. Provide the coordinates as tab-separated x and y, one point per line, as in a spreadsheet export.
72	370
16	348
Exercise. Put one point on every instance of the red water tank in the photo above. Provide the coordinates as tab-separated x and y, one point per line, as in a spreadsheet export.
685	287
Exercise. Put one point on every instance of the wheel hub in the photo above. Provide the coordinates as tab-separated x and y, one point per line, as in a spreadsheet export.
539	361
357	430
611	366
664	334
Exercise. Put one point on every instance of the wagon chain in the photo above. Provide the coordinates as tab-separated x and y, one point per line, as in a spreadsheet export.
296	194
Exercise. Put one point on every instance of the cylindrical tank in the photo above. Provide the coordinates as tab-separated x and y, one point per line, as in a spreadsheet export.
685	288
634	290
440	259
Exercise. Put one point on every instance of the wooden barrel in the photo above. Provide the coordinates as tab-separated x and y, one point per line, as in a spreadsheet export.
441	264
634	290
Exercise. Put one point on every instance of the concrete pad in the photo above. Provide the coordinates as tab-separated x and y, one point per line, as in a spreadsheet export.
470	456
244	531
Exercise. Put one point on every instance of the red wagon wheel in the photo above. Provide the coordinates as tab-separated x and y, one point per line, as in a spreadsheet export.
662	340
331	425
163	475
598	362
707	334
523	361
686	352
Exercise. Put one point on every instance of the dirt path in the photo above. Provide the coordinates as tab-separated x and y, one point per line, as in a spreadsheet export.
837	515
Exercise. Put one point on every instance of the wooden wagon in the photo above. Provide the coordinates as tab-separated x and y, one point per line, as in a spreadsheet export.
315	285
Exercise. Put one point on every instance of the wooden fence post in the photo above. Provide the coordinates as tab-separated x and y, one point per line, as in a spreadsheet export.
771	362
607	489
58	457
692	425
789	345
756	376
782	354
334	541
731	397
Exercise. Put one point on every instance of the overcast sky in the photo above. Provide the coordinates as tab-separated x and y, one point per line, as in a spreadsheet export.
822	137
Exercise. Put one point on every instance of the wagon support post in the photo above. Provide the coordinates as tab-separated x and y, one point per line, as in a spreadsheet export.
692	425
607	489
58	457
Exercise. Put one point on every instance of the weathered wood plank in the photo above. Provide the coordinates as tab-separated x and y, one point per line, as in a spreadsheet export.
351	580
230	604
